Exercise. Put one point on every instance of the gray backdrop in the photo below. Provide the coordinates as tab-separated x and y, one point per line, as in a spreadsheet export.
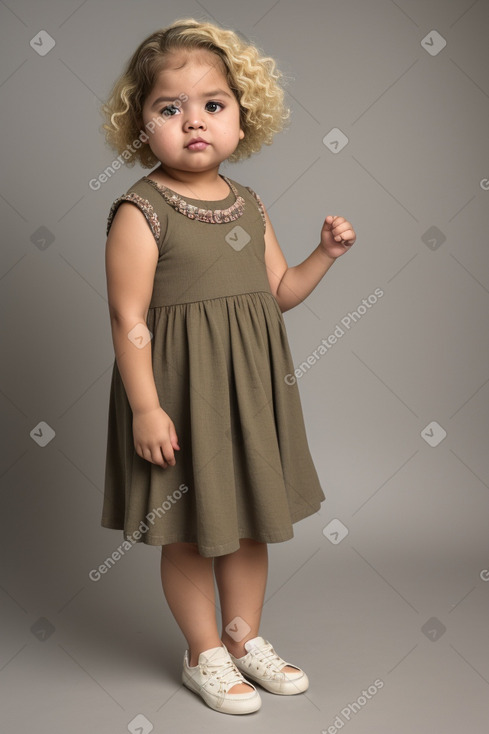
382	595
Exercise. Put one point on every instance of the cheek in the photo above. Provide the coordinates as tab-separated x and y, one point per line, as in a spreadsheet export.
233	125
163	138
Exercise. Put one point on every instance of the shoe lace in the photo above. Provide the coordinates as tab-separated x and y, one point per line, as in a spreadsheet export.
225	672
267	657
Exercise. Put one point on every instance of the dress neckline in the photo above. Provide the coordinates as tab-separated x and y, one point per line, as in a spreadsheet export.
163	187
205	213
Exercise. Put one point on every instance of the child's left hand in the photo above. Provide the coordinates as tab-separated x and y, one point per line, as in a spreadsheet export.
337	236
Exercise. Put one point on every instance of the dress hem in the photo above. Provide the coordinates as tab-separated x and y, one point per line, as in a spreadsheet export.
216	550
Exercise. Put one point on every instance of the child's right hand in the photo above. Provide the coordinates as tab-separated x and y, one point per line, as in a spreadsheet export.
155	437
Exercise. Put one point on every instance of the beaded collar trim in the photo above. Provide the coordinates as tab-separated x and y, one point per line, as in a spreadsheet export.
212	216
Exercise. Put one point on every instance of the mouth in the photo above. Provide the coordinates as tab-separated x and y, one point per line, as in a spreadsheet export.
197	144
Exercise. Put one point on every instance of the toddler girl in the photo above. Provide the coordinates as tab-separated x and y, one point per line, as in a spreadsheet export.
207	453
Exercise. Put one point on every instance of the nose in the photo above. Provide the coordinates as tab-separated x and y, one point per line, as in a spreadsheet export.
194	124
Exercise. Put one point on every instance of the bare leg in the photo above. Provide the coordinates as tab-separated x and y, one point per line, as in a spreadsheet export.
241	579
188	584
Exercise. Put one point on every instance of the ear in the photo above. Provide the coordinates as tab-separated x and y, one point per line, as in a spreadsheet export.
241	134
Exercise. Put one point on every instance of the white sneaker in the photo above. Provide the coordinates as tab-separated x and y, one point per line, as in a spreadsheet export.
262	664
212	678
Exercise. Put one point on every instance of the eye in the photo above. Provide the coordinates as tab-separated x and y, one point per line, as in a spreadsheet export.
169	111
215	104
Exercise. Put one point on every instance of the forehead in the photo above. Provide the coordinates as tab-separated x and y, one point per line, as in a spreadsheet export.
188	62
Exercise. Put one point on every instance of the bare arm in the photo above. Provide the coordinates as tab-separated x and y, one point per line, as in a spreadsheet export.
130	261
291	286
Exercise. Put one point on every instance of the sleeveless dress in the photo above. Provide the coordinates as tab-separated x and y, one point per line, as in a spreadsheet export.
222	366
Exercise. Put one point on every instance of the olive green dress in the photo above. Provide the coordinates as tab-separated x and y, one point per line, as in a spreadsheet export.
222	366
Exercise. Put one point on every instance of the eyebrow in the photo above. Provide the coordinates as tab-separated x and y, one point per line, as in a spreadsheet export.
214	93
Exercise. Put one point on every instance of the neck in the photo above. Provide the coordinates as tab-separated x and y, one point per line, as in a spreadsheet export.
194	184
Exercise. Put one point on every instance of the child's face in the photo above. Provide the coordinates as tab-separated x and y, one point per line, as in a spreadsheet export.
211	112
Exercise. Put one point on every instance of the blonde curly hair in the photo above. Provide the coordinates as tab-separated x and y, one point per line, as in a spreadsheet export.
252	78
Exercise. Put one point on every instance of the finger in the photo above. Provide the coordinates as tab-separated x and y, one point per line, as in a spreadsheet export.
152	457
174	438
145	453
158	458
343	232
328	222
349	235
168	454
340	227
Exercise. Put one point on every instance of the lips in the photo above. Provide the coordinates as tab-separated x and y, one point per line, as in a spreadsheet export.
197	144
